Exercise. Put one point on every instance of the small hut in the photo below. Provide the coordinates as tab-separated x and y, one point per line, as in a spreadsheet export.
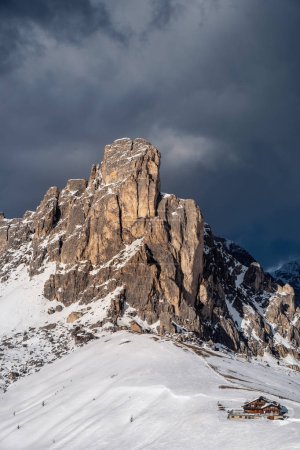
260	407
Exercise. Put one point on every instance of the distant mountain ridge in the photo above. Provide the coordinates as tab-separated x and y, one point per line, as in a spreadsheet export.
289	273
238	252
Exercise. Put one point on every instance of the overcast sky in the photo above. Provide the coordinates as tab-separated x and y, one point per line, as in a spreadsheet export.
214	84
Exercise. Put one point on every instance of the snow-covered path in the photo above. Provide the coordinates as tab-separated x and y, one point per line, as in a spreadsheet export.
126	391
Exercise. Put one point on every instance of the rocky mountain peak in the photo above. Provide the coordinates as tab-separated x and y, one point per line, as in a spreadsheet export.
118	253
131	167
126	157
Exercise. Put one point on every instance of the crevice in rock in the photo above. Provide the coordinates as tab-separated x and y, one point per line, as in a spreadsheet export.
57	215
120	218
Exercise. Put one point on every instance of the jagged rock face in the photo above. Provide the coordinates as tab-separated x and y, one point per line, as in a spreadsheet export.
289	273
242	306
15	243
117	237
239	253
118	230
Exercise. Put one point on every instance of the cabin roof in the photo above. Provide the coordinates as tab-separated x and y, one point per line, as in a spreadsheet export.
270	404
259	399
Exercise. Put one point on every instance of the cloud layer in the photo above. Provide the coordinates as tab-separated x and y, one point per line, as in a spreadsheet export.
214	84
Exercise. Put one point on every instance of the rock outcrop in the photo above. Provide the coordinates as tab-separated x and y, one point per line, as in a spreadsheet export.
243	307
117	239
289	273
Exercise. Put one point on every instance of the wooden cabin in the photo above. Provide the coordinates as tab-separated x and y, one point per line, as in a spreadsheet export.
262	405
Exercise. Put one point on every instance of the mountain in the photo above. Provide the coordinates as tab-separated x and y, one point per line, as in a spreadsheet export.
113	253
289	273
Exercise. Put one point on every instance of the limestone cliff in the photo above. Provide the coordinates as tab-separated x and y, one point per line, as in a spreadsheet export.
116	237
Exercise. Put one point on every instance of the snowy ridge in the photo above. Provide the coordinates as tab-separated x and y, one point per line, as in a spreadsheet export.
138	392
253	301
289	273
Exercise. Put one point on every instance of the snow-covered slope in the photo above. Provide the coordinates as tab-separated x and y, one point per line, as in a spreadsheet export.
22	304
35	331
126	391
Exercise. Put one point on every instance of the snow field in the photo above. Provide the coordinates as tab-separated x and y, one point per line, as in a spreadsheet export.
127	391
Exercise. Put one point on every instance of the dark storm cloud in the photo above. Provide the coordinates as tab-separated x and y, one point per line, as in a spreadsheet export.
164	11
214	84
65	19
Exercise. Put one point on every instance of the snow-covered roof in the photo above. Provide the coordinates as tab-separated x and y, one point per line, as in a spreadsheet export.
270	404
258	399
